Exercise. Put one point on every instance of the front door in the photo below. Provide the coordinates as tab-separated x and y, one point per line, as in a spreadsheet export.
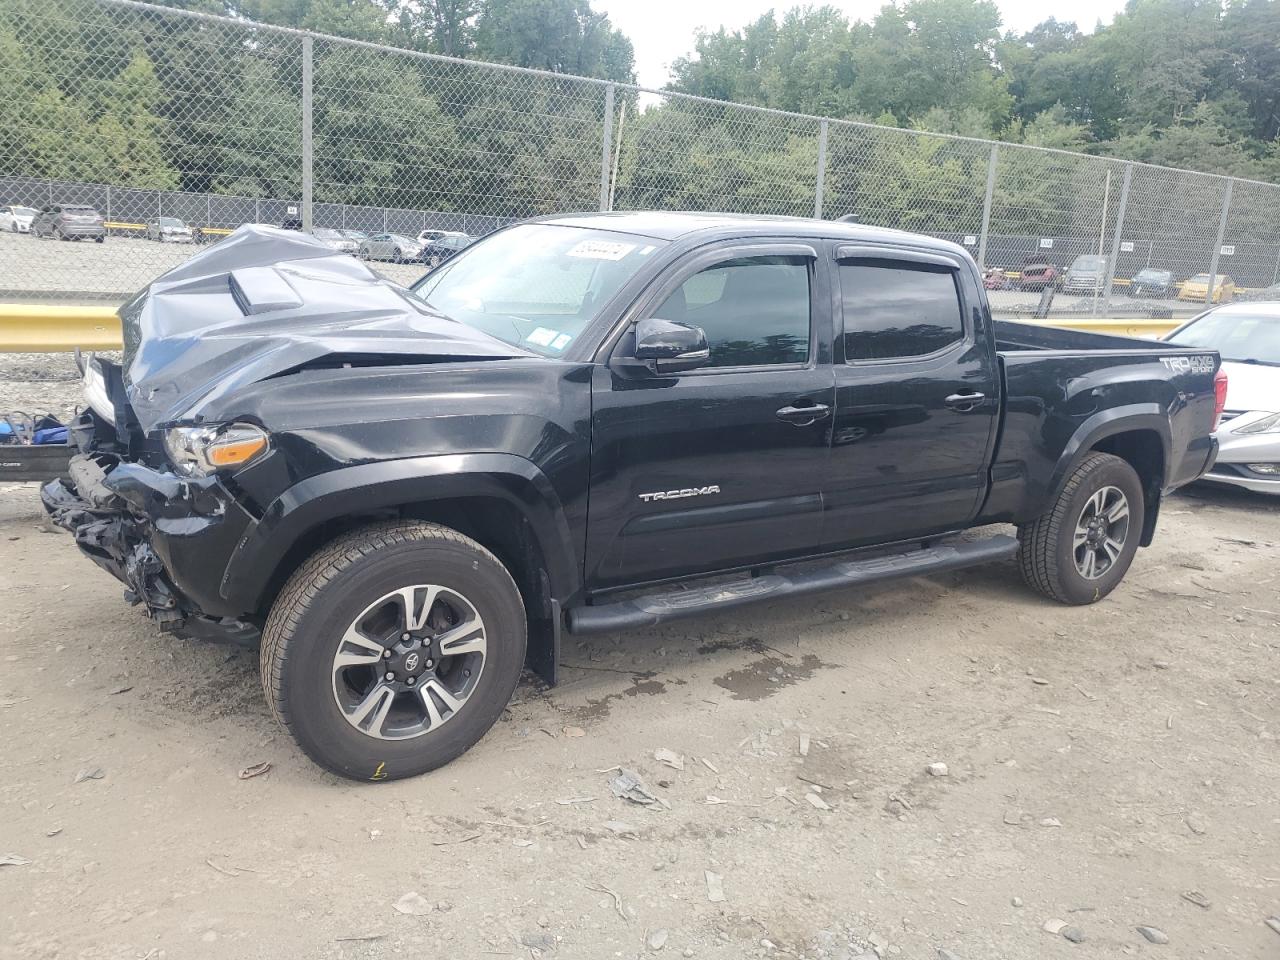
722	466
917	397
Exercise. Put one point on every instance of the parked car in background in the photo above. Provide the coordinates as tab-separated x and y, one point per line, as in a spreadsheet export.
334	240
993	278
439	251
1197	288
1264	293
1151	282
430	236
169	230
17	219
359	236
68	222
1087	274
1247	335
291	223
390	246
1037	275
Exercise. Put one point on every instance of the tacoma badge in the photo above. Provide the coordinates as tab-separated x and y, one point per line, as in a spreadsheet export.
680	494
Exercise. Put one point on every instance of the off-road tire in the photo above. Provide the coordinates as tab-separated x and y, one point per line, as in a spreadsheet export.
1046	555
329	591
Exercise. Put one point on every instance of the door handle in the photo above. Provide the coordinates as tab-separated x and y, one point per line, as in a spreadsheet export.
964	402
804	416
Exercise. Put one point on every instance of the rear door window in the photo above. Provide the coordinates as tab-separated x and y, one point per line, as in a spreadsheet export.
898	309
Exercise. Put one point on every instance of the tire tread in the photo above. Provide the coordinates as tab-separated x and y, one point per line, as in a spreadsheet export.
314	575
1036	556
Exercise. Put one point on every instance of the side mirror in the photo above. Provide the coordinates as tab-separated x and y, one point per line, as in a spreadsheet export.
666	346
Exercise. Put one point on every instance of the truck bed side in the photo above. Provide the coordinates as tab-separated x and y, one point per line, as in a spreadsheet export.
1067	393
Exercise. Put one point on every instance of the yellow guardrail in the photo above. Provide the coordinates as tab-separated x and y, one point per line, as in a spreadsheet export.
35	328
28	328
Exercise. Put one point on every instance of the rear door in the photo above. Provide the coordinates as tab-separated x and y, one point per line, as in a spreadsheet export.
721	466
917	396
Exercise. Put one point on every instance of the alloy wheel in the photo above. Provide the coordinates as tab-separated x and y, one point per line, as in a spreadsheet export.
1101	531
407	664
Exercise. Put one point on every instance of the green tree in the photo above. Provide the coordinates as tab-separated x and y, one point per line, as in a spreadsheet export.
564	36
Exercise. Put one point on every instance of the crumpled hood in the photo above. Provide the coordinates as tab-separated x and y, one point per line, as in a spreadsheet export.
264	301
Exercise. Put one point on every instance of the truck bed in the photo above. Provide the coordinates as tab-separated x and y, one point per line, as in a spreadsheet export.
1066	392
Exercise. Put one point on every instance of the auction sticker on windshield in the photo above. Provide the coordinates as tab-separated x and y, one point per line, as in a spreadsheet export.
600	250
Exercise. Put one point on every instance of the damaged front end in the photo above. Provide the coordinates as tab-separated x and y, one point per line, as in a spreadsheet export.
154	531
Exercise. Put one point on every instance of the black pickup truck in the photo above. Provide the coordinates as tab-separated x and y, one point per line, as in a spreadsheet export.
583	424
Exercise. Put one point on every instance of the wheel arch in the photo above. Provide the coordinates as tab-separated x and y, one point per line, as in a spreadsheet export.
1138	435
502	501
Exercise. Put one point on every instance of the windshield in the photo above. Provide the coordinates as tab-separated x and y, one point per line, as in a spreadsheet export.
1087	263
324	233
536	285
355	235
171	222
1240	336
81	211
1154	275
23	211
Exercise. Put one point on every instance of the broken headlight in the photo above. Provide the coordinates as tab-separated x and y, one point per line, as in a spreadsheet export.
200	451
95	390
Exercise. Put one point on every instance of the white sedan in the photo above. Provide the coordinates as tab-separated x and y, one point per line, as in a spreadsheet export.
1247	335
17	219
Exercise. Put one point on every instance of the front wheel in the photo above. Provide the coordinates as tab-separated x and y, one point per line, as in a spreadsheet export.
1080	550
393	649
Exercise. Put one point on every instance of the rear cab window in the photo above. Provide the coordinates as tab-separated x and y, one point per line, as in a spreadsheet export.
898	309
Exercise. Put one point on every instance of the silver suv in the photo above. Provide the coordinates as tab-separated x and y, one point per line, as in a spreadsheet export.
67	222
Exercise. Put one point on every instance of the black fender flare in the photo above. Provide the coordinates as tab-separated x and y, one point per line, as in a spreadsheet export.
1108	423
372	486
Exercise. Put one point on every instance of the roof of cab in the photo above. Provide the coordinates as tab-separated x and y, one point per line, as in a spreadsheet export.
678	225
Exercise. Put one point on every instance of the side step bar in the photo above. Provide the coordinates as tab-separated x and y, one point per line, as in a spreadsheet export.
654	608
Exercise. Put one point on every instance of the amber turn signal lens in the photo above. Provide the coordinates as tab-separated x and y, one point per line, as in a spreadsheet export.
230	453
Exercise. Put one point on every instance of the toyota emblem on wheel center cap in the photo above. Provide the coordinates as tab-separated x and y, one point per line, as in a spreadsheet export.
411	662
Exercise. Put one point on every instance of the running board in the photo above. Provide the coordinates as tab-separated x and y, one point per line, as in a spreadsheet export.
654	608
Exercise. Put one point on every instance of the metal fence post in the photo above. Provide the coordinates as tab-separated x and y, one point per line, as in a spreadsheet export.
1217	247
1115	239
606	147
986	206
108	201
820	182
306	132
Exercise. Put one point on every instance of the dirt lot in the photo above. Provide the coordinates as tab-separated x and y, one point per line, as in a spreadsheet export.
1103	763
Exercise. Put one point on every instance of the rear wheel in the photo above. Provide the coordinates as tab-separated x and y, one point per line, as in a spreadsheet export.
1080	550
393	649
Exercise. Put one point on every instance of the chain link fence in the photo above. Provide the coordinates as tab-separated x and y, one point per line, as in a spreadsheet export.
155	117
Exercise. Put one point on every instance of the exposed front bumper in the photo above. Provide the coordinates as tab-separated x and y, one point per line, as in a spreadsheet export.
166	539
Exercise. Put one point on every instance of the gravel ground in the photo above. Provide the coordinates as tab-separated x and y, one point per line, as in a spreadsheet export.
1107	767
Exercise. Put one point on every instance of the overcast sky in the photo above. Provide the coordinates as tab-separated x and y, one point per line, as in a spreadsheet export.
663	30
